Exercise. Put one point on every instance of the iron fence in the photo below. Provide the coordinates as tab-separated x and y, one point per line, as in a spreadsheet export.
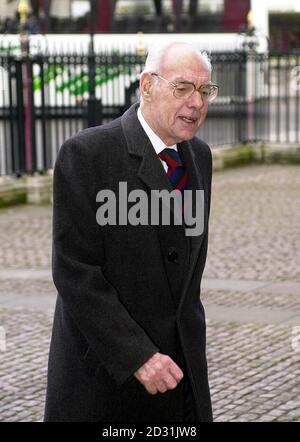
46	98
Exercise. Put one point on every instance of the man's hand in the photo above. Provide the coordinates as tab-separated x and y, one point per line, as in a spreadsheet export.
159	374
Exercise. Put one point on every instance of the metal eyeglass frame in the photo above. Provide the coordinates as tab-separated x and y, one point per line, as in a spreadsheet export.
175	85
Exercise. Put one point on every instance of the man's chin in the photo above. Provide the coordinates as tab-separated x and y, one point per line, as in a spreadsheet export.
186	135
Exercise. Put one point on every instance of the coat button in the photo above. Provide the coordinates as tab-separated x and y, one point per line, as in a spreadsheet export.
173	256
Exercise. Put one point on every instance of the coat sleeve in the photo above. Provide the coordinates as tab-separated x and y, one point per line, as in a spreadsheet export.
78	260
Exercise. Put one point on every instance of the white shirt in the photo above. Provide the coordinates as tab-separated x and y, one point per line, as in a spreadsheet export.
156	142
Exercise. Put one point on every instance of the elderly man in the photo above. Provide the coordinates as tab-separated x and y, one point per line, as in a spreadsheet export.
128	342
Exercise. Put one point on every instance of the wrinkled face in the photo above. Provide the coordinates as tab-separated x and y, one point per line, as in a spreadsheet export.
172	119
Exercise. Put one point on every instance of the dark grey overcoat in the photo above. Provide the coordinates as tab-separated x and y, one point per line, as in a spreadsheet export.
124	291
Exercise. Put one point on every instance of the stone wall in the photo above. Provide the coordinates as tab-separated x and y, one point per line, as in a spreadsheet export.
37	189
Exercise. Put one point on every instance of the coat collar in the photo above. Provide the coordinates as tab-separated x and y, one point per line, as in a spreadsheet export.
151	171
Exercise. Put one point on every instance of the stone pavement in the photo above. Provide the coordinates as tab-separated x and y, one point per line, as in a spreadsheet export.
251	293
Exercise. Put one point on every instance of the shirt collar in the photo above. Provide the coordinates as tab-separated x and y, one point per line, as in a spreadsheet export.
156	142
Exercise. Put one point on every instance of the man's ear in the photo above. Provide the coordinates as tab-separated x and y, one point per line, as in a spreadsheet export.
146	86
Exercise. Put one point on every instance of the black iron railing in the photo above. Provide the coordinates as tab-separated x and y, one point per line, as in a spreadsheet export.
46	98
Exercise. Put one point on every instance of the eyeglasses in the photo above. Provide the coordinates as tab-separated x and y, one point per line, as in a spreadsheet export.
184	89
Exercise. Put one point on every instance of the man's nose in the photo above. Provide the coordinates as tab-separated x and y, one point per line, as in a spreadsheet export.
196	100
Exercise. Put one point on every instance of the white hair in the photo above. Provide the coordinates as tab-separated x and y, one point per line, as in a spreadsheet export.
158	52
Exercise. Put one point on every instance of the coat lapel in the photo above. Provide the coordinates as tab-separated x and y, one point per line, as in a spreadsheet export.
151	173
173	241
195	181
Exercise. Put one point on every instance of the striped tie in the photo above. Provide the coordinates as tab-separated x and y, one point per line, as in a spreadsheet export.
176	171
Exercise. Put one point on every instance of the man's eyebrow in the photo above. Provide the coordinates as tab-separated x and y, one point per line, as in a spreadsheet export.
183	80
